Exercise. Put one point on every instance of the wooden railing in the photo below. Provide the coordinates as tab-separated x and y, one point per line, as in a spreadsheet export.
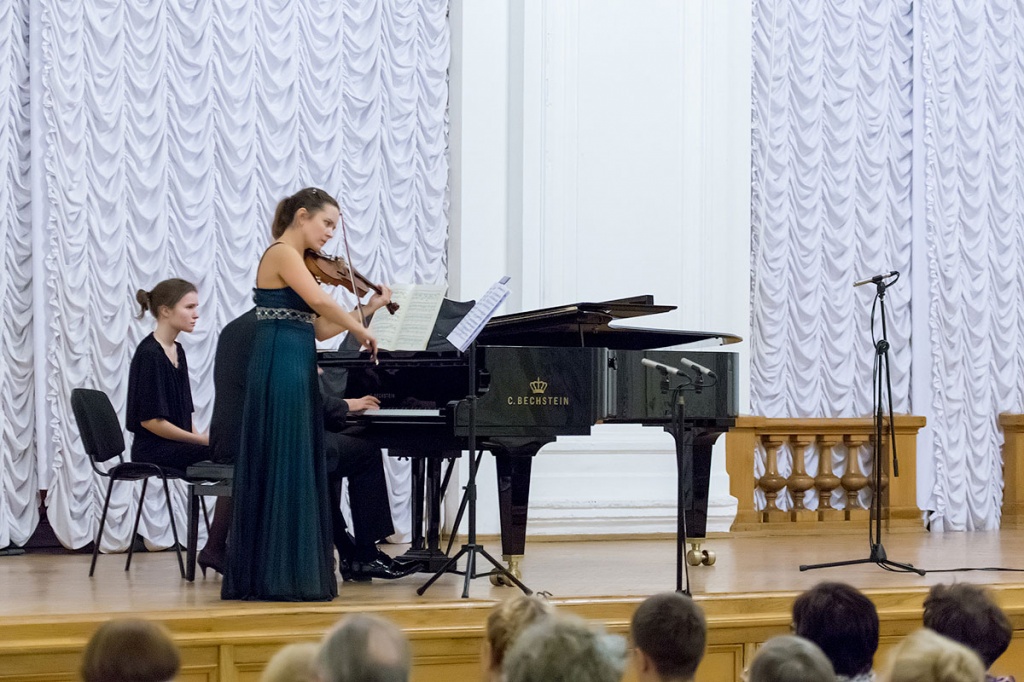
1013	470
772	457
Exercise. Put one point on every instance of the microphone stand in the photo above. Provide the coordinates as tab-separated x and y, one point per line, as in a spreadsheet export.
678	414
682	567
881	379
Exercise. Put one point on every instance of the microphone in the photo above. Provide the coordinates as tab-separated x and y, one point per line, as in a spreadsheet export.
690	364
664	369
877	278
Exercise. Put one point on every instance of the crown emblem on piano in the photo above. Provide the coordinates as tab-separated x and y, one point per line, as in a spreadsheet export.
538	386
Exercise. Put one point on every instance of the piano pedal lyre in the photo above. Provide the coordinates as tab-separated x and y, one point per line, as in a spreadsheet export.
512	561
697	556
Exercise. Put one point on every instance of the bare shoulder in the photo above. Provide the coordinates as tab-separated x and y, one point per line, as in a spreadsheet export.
278	258
280	252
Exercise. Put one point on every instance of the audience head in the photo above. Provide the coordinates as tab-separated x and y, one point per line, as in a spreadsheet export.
130	650
364	648
165	295
926	656
561	649
966	613
311	200
504	625
842	622
669	633
788	658
292	663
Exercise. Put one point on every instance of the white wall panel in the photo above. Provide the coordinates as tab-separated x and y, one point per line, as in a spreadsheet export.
626	173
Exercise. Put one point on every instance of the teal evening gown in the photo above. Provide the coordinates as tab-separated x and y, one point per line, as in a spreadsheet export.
280	547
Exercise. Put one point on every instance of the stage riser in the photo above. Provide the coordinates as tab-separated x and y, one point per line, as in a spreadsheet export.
446	638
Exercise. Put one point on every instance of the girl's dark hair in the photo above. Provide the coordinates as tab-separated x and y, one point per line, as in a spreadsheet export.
166	293
310	198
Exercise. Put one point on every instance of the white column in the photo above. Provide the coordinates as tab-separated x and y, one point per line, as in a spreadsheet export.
625	136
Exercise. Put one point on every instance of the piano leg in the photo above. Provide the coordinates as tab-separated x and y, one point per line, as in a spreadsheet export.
693	456
514	461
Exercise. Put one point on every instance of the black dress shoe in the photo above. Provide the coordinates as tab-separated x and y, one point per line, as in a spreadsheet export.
345	567
362	571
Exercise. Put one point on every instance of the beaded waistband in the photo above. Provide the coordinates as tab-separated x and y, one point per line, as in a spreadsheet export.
284	314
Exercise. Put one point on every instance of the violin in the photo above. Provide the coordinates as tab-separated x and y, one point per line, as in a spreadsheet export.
335	271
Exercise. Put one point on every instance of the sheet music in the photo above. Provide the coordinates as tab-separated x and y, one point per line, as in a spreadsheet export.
473	323
411	326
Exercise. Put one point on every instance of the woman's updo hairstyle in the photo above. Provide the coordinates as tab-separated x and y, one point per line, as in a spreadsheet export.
166	293
310	198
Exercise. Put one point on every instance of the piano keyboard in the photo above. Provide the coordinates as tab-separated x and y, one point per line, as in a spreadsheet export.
398	413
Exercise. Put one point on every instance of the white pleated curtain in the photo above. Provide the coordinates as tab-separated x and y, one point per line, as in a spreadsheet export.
165	135
972	77
831	199
839	143
19	483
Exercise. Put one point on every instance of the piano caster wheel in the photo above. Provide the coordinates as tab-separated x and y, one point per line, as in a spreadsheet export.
499	580
697	556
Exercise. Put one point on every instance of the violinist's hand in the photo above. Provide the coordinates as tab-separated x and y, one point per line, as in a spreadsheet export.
367	402
368	341
378	301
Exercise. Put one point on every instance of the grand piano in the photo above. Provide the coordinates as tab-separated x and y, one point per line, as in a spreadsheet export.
541	374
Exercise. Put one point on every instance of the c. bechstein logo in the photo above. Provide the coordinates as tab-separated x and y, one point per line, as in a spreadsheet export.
538	396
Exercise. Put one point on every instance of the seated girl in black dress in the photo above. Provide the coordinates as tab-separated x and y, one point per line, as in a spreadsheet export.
159	395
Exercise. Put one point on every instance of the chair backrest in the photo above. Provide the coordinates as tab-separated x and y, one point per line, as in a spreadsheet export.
97	423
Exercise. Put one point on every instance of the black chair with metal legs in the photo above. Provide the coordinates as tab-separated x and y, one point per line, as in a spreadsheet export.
103	440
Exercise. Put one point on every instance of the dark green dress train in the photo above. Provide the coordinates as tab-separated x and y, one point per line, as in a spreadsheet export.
280	543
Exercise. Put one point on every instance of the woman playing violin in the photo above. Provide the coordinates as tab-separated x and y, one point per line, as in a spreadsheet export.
281	542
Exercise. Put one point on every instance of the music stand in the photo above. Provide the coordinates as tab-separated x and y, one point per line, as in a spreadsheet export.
880	380
471	548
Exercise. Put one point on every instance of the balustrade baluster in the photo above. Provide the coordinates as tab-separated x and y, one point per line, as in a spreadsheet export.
799	480
854	479
826	481
772	482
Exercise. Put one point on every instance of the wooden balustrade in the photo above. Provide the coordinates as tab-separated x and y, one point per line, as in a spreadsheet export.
1013	470
798	441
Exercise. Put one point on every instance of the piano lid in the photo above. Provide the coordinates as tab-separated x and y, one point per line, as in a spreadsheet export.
589	325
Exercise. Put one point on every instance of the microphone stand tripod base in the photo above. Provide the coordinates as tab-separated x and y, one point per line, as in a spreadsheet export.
876	556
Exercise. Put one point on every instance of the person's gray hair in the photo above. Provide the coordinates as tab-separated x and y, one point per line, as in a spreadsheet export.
364	648
565	649
789	658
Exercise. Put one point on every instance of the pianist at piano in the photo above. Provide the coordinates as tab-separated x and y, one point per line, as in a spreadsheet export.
347	457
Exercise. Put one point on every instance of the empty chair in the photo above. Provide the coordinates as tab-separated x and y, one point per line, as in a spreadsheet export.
103	440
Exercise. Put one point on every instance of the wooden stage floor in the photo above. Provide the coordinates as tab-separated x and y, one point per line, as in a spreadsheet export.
49	605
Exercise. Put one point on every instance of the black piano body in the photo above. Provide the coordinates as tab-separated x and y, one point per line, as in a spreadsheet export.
541	374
